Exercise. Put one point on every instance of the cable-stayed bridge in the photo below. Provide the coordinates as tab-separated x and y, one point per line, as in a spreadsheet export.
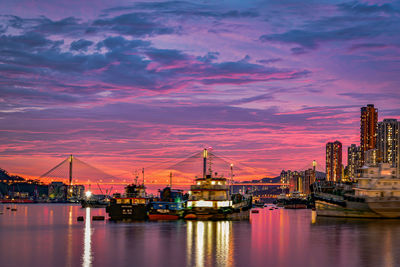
72	170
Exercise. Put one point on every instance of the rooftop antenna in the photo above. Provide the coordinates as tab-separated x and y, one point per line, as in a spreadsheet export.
170	179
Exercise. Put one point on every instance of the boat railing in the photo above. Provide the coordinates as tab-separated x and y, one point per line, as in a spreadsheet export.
209	187
211	198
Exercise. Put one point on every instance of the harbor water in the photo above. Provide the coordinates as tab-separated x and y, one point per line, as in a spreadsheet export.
50	235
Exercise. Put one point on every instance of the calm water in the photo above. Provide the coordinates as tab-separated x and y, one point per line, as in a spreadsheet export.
49	235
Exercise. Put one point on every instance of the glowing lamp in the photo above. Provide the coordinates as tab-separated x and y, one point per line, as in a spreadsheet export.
226	203
88	194
202	203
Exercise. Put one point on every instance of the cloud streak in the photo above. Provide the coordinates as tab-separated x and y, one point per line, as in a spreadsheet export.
135	84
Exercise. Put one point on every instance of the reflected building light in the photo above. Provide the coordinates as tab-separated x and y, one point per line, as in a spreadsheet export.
87	246
209	241
313	216
206	252
223	238
51	217
199	244
387	249
70	216
69	240
189	242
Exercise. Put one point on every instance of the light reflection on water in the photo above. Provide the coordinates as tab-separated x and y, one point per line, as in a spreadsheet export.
87	247
50	235
211	242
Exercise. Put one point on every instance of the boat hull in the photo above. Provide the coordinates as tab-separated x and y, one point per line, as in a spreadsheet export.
217	214
358	209
163	217
295	206
127	212
388	208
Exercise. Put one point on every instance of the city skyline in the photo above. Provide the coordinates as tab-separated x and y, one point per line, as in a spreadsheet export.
125	85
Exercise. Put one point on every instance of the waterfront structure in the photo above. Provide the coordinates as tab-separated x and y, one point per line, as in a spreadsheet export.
334	161
353	160
57	191
388	142
368	127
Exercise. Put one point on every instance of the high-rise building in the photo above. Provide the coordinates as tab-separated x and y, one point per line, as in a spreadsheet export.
285	178
353	160
309	179
368	127
334	161
296	182
388	142
371	158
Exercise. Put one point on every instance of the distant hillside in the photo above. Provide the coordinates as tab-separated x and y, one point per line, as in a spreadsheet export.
4	175
265	180
277	179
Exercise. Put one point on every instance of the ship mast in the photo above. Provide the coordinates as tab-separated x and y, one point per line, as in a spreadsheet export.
143	175
205	162
231	182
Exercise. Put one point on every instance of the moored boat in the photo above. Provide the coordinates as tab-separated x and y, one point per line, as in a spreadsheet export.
170	205
210	199
375	195
132	206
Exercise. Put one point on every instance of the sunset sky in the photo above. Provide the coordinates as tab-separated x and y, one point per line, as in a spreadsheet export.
126	84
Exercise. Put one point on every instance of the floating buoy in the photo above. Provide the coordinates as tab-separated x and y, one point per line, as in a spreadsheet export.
80	219
8	208
190	216
13	209
255	211
98	218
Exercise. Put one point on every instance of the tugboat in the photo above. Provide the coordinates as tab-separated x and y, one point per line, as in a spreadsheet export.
170	205
132	206
210	199
375	195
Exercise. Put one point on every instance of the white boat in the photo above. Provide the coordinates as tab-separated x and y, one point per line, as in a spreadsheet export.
376	195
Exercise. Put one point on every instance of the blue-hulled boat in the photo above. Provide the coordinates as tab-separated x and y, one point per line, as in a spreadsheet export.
170	206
